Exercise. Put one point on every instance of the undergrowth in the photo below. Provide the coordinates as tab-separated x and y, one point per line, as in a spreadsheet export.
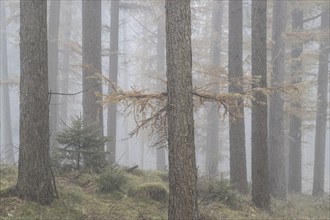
144	195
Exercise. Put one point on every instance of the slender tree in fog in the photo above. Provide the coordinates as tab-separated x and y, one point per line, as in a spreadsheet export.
322	103
53	29
295	166
260	177
238	173
91	57
66	56
212	133
113	73
34	181
160	154
182	162
7	139
276	122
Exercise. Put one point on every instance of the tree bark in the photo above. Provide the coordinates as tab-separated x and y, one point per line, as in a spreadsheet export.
276	113
53	30
295	177
182	162
113	74
322	103
34	181
7	138
91	56
260	174
212	133
238	173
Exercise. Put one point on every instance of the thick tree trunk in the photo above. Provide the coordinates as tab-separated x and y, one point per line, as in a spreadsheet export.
34	181
322	103
238	173
212	133
54	19
91	56
113	74
276	114
182	162
294	180
7	139
260	177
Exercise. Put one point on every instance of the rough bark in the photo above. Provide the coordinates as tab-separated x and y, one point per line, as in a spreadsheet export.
322	103
113	73
260	174
7	138
294	180
91	56
182	162
276	113
238	173
53	30
34	181
212	133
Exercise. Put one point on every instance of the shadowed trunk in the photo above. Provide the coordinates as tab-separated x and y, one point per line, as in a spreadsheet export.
276	114
295	166
260	174
238	173
212	133
54	19
322	103
113	74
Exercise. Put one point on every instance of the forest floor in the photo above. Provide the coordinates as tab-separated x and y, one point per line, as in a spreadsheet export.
121	195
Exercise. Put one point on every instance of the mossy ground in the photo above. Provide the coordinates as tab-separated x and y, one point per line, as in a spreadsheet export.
81	198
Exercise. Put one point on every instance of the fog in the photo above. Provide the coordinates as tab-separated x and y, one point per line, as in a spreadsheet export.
137	71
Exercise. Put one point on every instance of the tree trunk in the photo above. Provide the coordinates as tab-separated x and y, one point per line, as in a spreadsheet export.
113	73
7	139
182	162
238	173
260	177
54	19
34	181
322	103
294	180
91	56
67	22
276	122
160	153
212	133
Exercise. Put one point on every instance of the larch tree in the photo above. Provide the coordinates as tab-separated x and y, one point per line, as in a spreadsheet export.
53	30
182	161
238	172
91	57
160	153
212	130
295	165
113	74
35	182
260	174
276	114
7	138
322	103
